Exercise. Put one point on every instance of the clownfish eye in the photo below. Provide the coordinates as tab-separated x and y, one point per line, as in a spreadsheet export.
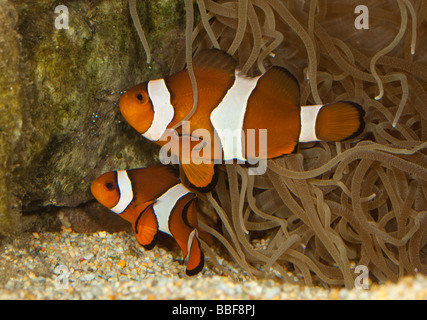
109	186
140	97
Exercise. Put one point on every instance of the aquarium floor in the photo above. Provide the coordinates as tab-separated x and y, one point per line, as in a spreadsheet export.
68	265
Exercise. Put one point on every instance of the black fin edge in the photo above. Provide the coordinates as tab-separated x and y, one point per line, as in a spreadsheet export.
153	243
362	113
211	184
139	217
295	151
200	266
185	212
290	74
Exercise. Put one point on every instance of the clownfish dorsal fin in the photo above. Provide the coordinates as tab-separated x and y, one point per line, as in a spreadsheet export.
214	59
201	176
215	74
283	84
194	142
146	227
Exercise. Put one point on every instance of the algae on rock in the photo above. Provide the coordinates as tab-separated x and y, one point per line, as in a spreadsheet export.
59	124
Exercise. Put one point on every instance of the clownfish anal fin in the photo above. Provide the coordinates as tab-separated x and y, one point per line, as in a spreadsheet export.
202	176
153	242
214	59
146	227
196	258
195	143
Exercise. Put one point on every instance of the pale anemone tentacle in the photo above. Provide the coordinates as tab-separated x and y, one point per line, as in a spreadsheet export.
141	34
364	201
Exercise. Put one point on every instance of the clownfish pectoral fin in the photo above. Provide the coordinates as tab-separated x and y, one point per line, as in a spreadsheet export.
196	258
146	227
201	176
193	143
340	121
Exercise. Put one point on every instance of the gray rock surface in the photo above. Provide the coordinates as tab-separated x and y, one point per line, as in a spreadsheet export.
59	124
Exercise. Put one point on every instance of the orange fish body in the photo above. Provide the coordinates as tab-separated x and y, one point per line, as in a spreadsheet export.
153	199
231	102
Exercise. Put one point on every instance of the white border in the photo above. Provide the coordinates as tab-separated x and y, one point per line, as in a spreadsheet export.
126	194
308	123
165	203
163	109
227	118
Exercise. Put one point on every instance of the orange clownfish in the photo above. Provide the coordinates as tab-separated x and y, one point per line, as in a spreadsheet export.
153	199
231	102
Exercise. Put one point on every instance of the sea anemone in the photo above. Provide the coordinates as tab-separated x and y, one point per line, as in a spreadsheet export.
332	206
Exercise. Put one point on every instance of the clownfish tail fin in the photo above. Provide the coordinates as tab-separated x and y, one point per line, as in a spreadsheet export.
340	121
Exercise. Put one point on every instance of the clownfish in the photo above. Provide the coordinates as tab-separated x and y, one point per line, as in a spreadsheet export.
228	100
153	199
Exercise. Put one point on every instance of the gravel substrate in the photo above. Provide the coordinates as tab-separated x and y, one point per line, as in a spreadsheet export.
101	265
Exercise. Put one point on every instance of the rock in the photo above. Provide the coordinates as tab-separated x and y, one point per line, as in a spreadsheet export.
59	125
93	217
